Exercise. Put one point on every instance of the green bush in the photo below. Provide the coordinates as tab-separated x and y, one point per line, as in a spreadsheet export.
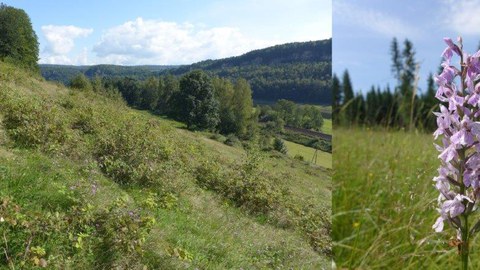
80	82
299	157
233	140
99	238
246	184
33	124
279	146
131	153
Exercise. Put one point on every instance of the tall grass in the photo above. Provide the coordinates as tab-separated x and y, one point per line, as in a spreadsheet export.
384	203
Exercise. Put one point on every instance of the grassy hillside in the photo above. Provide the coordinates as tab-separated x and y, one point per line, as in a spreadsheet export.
86	182
384	203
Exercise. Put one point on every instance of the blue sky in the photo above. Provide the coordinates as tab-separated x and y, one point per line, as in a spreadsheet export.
171	31
363	31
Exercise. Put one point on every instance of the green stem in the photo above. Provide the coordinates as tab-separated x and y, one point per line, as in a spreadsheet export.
464	246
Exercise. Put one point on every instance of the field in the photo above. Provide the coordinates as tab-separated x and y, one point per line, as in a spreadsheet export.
384	203
324	159
88	183
327	126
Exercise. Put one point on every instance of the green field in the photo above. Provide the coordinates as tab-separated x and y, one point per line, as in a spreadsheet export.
384	203
327	126
89	183
324	159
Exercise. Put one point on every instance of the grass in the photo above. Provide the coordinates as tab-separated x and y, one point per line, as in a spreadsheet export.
384	203
198	228
327	126
324	159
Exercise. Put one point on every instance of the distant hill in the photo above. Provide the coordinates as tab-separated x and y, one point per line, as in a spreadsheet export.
299	71
64	73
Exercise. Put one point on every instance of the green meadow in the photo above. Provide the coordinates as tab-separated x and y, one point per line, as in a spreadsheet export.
384	203
327	126
324	159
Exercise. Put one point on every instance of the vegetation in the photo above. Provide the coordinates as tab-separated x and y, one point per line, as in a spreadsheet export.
87	182
294	115
376	226
18	42
197	105
307	154
299	72
405	106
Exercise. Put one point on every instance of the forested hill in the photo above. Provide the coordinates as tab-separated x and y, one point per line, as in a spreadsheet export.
65	73
298	71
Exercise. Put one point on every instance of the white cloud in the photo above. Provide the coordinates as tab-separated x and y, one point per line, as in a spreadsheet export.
462	16
161	42
374	20
60	42
299	20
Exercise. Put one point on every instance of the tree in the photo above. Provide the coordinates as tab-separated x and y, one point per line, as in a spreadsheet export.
242	105
81	82
198	106
348	106
167	92
224	93
396	59
149	93
18	41
337	97
279	145
407	84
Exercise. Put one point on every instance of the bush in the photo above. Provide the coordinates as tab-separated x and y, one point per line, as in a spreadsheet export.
99	238
80	82
246	184
299	157
131	153
233	140
279	146
31	123
218	137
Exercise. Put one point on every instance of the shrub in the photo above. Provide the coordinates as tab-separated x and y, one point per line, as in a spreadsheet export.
31	123
80	82
299	157
131	152
279	146
246	184
232	140
218	137
99	238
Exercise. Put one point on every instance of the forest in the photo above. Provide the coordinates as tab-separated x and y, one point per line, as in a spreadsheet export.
299	72
402	106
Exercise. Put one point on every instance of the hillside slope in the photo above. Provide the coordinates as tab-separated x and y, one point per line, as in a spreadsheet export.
299	71
87	182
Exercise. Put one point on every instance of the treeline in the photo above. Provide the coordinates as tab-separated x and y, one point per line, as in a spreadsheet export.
65	73
404	106
300	71
18	41
285	112
197	99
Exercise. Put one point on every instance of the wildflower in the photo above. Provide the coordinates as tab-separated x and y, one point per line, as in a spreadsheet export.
458	180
